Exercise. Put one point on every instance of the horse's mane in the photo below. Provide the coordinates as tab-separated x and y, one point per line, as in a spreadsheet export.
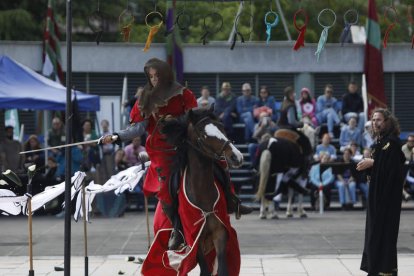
175	131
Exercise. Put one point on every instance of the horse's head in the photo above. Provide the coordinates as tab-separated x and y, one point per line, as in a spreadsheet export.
206	133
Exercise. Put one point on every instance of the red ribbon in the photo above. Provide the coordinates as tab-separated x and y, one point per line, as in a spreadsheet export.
300	42
387	33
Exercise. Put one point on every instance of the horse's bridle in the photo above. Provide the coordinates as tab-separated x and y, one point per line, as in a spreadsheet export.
207	149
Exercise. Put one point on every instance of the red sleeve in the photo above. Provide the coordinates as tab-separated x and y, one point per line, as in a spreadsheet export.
189	99
135	115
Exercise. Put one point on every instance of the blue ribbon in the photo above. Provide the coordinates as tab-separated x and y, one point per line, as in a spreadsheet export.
322	42
345	33
269	25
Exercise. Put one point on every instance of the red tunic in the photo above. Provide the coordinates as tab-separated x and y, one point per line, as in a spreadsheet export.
159	151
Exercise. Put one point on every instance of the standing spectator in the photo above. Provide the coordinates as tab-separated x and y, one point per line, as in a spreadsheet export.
265	100
107	162
10	157
384	203
56	134
407	148
132	152
321	177
90	151
245	105
225	107
346	181
353	106
326	109
350	133
308	107
205	96
367	140
325	148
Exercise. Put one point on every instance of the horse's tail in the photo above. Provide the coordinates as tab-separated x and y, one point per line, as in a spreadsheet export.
264	169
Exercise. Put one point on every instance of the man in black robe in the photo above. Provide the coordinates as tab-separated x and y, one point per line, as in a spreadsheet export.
384	202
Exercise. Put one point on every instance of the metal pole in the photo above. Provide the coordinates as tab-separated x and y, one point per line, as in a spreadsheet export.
285	26
68	152
85	229
29	206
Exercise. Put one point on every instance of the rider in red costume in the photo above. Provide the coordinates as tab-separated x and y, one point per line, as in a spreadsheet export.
162	98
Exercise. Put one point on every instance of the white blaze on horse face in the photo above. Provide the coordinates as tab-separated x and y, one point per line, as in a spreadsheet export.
213	131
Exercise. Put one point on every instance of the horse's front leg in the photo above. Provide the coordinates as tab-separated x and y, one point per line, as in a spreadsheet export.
220	243
301	210
289	212
262	214
201	260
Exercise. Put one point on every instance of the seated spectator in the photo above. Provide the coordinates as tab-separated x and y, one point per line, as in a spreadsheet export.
353	106
346	183
121	162
326	109
265	100
34	158
132	152
321	177
362	178
264	126
10	148
56	135
407	148
356	153
367	140
205	96
245	105
325	148
308	107
225	108
350	133
289	114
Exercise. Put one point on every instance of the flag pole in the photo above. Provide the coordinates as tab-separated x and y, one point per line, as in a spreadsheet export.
68	152
85	229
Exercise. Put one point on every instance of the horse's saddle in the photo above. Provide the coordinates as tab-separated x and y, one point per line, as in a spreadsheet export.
289	135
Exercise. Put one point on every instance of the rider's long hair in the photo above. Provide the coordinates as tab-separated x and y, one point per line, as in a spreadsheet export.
392	126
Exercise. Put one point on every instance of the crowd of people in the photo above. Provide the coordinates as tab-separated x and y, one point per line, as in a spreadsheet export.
334	158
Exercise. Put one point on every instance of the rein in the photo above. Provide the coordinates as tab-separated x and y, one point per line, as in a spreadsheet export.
207	149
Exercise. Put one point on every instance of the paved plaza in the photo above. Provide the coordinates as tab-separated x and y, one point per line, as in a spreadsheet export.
328	244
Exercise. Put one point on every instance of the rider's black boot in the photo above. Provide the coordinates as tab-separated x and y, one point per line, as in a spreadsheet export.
176	239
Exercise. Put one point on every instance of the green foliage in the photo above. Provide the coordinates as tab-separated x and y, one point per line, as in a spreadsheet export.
24	19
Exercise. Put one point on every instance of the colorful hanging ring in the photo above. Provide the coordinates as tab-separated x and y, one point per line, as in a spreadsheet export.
95	23
271	25
126	19
183	20
153	28
388	11
214	17
300	42
347	29
324	34
236	29
320	14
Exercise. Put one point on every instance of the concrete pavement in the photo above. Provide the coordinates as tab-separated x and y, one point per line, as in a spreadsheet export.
328	244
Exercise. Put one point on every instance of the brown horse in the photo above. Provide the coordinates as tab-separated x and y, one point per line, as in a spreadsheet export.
201	144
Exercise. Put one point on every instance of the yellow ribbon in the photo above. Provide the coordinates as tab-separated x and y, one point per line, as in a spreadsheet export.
153	30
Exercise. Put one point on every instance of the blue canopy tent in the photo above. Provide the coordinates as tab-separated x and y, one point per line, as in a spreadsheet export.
23	88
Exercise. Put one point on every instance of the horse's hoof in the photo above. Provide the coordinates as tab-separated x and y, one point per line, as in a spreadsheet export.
303	215
262	216
274	216
289	215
